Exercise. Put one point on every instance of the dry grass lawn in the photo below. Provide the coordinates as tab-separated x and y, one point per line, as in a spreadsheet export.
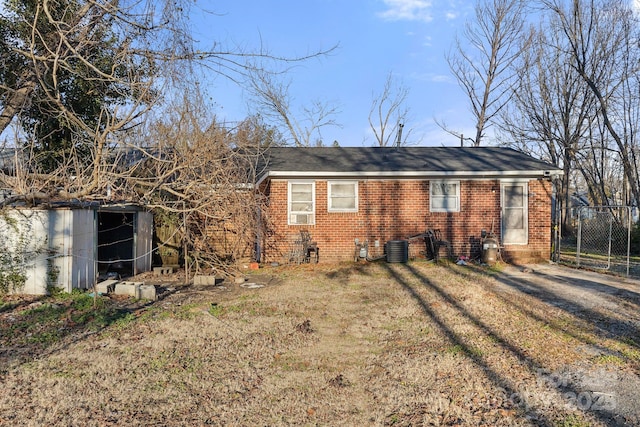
375	344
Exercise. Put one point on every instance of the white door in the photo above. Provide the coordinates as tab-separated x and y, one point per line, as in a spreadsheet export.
515	214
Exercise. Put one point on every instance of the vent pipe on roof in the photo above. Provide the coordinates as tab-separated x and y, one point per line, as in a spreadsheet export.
399	136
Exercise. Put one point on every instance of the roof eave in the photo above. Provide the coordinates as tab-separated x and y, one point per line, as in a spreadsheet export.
411	174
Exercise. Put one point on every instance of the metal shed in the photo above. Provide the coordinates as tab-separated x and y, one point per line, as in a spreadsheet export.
61	245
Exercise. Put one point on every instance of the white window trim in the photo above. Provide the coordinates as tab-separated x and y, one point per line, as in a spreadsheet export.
313	203
431	198
330	208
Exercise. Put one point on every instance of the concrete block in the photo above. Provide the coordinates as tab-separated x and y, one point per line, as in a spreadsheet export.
201	279
148	292
162	271
128	288
106	286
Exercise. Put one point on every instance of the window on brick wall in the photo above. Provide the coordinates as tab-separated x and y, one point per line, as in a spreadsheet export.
342	196
444	196
302	202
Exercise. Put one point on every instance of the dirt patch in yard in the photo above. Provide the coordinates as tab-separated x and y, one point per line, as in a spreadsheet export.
349	344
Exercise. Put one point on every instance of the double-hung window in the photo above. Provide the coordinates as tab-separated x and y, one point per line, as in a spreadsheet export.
444	196
302	203
343	196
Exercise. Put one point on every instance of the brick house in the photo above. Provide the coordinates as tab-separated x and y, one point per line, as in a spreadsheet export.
373	194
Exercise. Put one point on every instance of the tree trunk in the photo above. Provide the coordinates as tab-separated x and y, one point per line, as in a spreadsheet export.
16	101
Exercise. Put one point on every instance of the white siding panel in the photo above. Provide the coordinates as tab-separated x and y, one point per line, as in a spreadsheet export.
84	243
25	235
60	231
34	225
51	247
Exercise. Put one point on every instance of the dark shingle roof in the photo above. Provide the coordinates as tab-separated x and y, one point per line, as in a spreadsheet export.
402	162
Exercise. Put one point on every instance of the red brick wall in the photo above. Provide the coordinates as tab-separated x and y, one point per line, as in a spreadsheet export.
394	210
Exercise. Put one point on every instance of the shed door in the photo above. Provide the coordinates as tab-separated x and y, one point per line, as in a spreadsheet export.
515	213
143	242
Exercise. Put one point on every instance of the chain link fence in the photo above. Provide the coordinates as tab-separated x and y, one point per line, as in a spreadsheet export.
602	241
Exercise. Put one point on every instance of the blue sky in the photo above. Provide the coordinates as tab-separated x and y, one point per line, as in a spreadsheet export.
408	38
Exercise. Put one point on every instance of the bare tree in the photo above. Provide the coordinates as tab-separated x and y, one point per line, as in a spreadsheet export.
599	35
389	113
484	69
91	70
551	110
201	171
117	81
271	96
131	56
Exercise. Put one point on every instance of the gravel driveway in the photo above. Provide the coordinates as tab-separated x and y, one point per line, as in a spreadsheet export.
611	305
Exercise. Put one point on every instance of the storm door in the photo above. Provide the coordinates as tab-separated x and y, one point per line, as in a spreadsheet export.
515	213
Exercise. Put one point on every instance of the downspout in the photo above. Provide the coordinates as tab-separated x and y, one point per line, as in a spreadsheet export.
258	245
558	219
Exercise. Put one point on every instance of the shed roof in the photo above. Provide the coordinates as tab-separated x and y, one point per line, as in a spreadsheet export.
407	162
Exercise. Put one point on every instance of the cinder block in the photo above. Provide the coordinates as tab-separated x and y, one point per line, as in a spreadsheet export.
202	279
106	286
128	288
162	271
148	292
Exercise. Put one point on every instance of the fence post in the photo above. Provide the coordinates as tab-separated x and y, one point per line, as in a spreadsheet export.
579	236
610	238
628	237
